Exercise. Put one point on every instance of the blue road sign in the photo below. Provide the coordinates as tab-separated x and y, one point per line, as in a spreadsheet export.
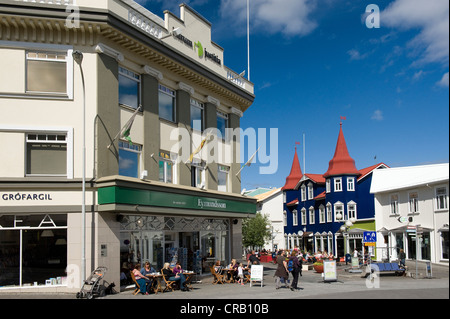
370	237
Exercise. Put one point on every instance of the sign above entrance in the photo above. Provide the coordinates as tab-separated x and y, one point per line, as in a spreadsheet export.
122	195
370	237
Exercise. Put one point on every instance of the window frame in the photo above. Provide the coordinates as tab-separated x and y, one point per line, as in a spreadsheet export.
167	158
225	117
312	215
162	89
352	213
294	217
137	78
338	182
128	147
413	202
198	105
50	49
350	184
393	205
445	198
226	170
304	219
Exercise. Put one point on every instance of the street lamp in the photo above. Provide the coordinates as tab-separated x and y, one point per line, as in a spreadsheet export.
78	58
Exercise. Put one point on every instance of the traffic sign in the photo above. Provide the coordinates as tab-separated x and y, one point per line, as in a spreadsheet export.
370	237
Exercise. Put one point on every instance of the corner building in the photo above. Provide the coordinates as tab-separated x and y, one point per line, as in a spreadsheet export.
144	200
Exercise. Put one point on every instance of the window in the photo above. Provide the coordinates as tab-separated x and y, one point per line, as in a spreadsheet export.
303	211
222	123
197	115
441	198
46	72
394	204
129	159
413	202
329	213
321	214
197	175
444	245
310	191
339	209
223	178
351	184
312	217
166	103
328	185
351	210
129	88
338	184
303	193
284	218
46	154
166	168
294	217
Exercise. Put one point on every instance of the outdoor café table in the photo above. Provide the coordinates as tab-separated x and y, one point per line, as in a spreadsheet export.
157	279
230	272
189	275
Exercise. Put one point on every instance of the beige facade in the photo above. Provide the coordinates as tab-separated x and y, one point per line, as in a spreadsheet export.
125	47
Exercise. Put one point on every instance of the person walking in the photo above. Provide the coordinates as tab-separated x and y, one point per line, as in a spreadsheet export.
282	271
295	269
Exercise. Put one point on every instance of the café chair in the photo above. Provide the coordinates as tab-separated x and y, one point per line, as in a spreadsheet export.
218	278
138	287
169	284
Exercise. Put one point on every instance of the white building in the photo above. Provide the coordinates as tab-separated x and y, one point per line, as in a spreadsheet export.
410	197
271	204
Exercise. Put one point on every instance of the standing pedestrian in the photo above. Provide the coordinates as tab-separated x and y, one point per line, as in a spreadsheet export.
296	265
281	271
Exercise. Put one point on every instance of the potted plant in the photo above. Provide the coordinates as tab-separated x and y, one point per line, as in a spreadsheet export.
318	266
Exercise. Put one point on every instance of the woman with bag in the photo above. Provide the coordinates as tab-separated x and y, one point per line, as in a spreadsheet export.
282	271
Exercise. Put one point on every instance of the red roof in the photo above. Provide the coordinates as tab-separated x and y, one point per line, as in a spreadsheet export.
294	202
296	174
318	178
369	169
342	163
320	196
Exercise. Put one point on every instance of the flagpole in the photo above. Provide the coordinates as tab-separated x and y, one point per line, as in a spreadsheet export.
249	162
121	130
304	154
248	38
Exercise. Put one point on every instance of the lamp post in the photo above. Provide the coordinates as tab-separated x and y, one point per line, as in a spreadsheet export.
347	224
78	58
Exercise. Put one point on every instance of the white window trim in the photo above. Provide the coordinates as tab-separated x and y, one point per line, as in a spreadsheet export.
397	206
446	198
312	215
329	208
351	189
310	191
350	203
68	131
303	216
328	185
335	183
343	211
303	193
174	167
322	214
294	217
284	218
409	202
139	81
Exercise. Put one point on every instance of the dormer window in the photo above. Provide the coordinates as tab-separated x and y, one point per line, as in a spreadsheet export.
303	193
310	191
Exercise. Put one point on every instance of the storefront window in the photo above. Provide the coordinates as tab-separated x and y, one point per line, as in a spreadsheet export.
194	242
444	238
33	250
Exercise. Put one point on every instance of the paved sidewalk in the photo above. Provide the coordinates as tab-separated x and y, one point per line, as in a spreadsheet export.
312	286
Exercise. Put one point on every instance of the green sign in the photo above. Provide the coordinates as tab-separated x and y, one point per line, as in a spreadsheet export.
129	196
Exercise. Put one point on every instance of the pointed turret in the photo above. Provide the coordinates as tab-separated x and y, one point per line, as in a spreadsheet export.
295	175
342	163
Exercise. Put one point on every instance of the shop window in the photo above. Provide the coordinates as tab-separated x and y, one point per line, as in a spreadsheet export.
167	108
197	111
444	241
46	72
46	154
129	159
33	250
129	88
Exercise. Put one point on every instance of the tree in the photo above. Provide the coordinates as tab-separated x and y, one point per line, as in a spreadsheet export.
255	231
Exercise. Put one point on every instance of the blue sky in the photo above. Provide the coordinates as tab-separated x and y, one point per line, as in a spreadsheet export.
314	61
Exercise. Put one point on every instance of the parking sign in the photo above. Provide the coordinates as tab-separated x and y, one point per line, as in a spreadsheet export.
370	237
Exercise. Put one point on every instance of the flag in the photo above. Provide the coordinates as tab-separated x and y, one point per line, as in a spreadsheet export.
249	162
202	144
344	118
126	130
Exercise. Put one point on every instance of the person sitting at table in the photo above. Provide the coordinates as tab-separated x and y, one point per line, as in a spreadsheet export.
252	259
218	268
177	269
140	279
233	267
147	270
170	276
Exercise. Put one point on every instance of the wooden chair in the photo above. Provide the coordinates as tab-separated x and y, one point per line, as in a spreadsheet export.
138	287
218	278
169	284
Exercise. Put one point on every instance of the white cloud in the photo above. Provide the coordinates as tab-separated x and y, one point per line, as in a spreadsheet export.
432	18
356	55
444	81
377	115
289	17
